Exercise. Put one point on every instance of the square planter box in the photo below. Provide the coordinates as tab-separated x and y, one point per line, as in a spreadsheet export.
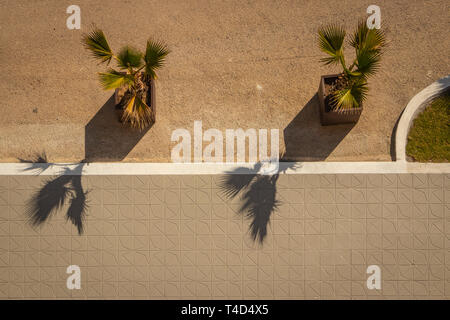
329	117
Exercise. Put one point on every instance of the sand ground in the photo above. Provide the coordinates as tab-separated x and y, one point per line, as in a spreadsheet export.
249	64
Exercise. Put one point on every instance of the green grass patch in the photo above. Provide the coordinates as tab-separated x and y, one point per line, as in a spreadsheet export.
429	137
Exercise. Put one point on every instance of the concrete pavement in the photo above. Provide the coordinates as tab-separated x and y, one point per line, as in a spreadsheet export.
178	237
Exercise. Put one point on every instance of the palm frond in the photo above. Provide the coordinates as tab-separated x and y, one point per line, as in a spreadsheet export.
367	63
375	41
351	96
155	56
331	39
137	113
96	42
368	44
365	39
114	79
129	57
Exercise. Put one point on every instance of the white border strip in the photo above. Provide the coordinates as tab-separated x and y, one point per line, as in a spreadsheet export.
216	168
414	107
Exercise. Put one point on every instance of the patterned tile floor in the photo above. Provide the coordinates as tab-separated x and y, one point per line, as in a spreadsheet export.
175	237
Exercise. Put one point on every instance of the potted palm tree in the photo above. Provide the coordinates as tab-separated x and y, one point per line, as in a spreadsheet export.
341	95
134	82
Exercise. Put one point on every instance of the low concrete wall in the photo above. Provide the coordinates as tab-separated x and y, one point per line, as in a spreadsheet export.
416	105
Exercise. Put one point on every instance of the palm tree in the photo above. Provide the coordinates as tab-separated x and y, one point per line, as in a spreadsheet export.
351	89
136	70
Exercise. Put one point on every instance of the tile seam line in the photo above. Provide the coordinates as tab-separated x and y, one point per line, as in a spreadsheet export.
391	167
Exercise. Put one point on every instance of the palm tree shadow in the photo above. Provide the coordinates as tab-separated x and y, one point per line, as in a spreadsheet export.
38	163
257	193
305	140
55	193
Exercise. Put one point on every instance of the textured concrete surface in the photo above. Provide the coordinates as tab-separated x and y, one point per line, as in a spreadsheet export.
167	237
221	52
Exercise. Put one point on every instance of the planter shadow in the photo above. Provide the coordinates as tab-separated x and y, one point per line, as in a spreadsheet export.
106	139
306	139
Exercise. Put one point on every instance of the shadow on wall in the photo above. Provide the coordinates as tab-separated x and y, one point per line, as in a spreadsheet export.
106	139
257	194
55	193
306	139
